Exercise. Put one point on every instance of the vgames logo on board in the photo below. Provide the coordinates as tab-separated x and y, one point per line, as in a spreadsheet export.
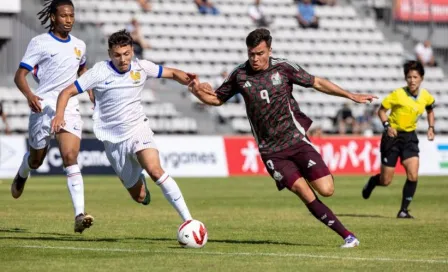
178	159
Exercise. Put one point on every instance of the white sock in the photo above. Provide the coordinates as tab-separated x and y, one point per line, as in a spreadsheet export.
173	194
24	169
75	185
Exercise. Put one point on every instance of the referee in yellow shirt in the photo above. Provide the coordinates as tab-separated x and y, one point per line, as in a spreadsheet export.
399	139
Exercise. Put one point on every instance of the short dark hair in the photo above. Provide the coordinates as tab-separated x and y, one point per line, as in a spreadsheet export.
120	38
414	65
50	8
257	36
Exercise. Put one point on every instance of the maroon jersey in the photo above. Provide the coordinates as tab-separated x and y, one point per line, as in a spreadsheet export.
275	117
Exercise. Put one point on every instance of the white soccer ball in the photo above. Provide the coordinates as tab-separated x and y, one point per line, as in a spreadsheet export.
192	234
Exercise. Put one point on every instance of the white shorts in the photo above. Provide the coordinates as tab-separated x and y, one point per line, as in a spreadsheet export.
39	127
122	156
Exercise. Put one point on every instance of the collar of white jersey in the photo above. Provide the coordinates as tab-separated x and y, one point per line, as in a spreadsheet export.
59	39
118	71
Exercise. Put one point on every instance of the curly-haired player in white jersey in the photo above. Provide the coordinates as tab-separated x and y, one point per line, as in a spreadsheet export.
119	120
55	60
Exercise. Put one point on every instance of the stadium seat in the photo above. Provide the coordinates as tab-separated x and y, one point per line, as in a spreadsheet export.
347	48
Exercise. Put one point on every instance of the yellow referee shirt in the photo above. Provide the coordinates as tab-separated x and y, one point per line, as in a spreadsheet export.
405	108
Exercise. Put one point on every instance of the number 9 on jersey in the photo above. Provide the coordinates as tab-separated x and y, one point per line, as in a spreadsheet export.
265	95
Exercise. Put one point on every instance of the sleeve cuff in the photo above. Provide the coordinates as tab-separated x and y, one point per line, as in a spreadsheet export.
26	66
82	65
78	87
159	75
385	106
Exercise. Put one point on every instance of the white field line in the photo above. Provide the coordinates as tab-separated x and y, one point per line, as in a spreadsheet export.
200	252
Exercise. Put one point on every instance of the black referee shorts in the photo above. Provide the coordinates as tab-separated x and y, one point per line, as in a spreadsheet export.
404	146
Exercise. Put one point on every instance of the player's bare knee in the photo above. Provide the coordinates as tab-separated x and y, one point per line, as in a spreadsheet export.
412	176
70	158
327	191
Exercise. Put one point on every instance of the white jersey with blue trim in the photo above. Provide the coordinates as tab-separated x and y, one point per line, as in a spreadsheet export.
54	64
118	110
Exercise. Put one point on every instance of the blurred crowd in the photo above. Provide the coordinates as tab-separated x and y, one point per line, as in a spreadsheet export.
5	128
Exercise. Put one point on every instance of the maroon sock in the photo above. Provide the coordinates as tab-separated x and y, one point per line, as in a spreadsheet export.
324	214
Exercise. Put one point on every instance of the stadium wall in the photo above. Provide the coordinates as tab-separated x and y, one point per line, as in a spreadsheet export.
217	156
23	30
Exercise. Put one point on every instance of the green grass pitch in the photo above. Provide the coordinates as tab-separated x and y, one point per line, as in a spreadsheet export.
252	227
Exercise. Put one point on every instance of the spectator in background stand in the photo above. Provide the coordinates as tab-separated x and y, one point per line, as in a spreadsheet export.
219	80
368	123
256	13
424	54
344	119
139	41
319	2
206	7
5	121
324	2
306	16
315	132
145	5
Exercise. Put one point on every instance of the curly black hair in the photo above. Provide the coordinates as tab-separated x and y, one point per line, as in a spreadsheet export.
50	7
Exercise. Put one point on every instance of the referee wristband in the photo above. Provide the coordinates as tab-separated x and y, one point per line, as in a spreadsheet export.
386	124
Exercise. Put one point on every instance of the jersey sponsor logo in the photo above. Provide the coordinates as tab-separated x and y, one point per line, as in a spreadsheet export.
247	84
52	55
78	53
135	77
276	79
109	82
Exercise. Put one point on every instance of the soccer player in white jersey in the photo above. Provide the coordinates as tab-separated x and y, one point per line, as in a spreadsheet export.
55	60
119	120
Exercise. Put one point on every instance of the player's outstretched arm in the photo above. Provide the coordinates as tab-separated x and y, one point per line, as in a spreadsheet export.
58	121
330	88
178	75
204	92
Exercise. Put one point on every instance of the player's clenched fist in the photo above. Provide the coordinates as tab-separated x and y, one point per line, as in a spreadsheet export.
196	87
57	124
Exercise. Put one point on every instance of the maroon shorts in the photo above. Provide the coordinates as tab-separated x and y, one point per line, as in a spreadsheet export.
300	160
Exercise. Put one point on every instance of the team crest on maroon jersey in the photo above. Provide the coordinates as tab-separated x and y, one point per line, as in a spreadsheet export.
277	176
276	79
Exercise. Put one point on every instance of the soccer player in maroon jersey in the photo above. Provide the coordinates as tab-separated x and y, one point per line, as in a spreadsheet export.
278	125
